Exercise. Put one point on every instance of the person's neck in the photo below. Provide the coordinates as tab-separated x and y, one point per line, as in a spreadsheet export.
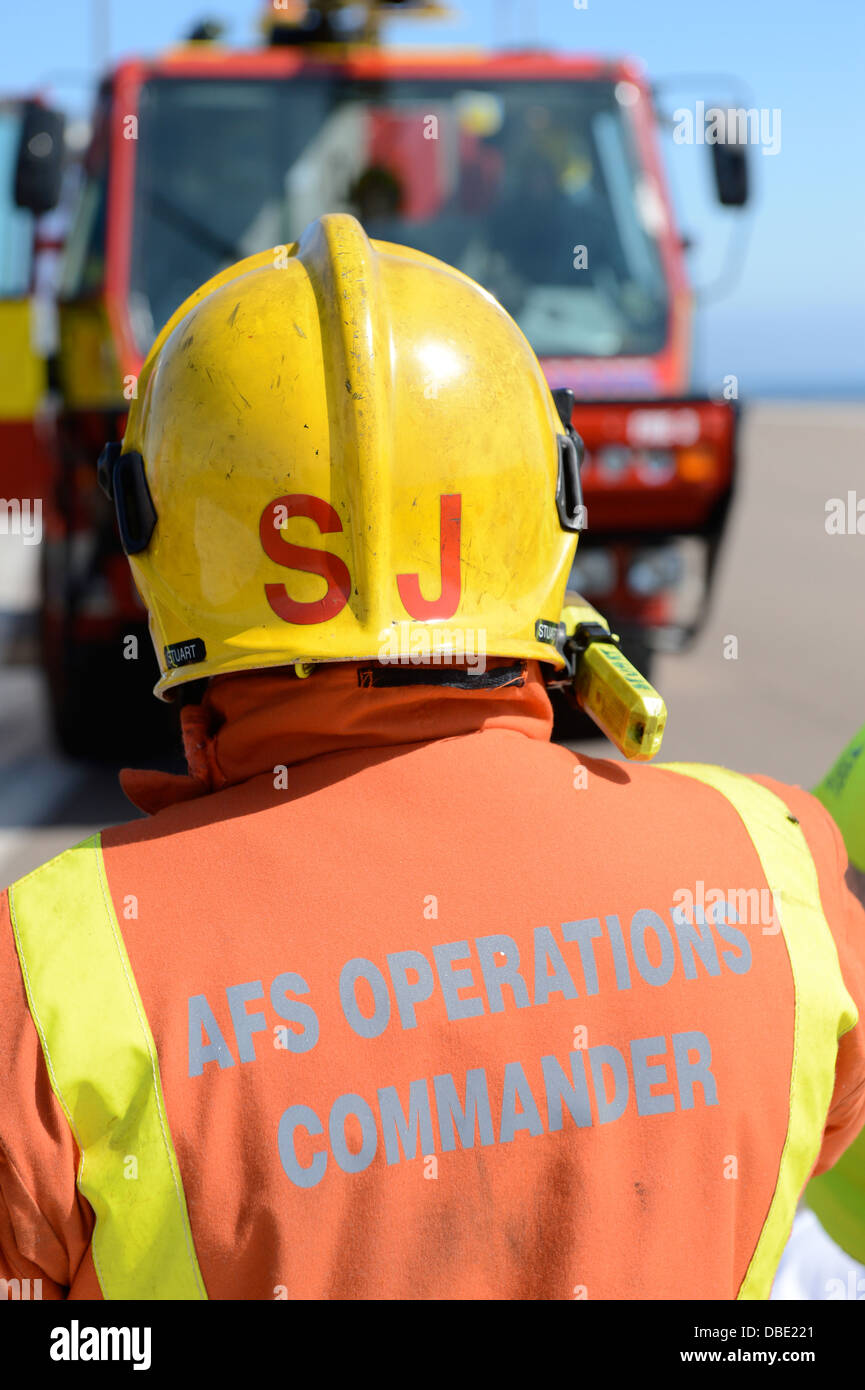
248	723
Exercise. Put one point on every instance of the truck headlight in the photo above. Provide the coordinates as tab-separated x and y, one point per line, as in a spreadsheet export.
652	571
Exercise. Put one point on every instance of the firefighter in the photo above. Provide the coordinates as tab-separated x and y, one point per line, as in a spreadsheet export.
390	997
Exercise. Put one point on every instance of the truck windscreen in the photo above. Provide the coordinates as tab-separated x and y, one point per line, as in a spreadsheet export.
532	188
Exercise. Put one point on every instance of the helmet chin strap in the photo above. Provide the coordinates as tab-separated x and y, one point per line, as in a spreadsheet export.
456	678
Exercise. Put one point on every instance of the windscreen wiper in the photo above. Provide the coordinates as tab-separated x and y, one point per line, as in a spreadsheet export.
197	231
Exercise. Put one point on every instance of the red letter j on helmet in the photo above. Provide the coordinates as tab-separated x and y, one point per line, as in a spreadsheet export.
408	584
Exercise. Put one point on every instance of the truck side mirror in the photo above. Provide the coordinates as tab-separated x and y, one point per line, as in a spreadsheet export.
730	167
39	165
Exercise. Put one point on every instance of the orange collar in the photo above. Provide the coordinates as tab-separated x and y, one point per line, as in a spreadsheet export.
251	722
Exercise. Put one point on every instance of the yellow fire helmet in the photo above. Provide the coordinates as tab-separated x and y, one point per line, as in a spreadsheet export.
345	450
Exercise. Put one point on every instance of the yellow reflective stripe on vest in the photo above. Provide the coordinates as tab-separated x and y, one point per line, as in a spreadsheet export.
823	1009
102	1062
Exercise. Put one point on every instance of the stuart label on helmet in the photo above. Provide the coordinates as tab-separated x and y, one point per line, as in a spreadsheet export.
546	631
185	653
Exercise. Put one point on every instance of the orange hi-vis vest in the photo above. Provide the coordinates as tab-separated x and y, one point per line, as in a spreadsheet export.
392	998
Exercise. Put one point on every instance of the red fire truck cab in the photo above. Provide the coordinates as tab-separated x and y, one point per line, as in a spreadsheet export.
538	174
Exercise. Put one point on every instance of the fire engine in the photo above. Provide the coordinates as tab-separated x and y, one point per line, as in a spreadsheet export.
539	174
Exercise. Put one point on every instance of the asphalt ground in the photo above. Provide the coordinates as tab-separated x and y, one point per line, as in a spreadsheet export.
790	593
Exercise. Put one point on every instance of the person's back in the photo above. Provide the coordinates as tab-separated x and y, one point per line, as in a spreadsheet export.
415	1004
430	1017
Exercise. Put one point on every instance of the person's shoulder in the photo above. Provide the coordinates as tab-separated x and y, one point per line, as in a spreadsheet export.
842	909
802	809
43	871
46	1225
823	836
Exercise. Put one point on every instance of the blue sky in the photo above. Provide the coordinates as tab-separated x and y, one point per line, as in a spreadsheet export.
794	321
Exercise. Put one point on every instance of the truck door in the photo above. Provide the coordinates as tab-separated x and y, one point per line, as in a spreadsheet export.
22	366
24	455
